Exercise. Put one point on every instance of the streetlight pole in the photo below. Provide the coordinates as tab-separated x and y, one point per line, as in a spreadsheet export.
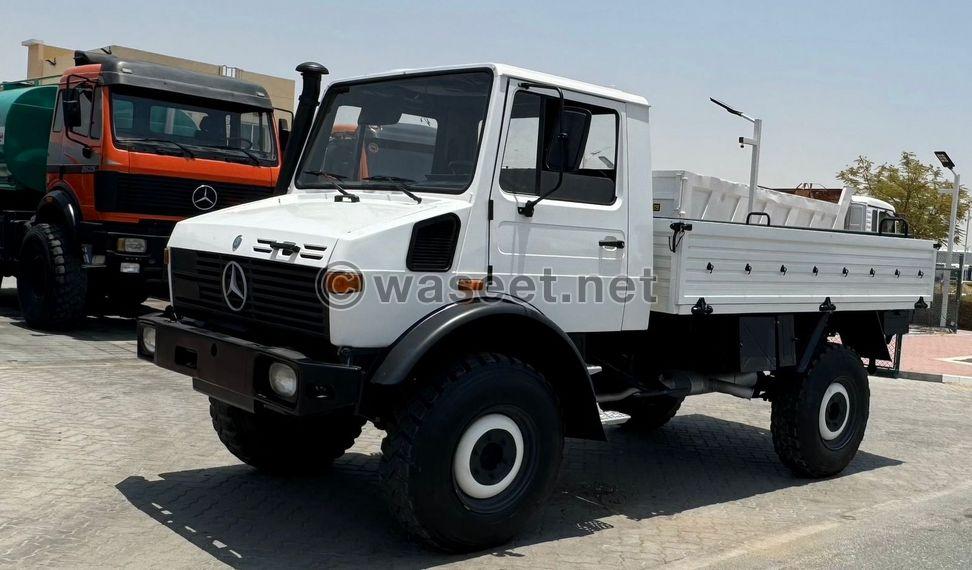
946	276
753	142
754	165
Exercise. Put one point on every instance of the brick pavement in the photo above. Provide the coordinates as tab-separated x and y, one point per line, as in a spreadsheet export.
937	353
107	461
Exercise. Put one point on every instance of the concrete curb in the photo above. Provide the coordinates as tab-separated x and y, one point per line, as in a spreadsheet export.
922	376
941	378
951	379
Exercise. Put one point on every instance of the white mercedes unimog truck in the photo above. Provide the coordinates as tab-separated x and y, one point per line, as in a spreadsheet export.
468	258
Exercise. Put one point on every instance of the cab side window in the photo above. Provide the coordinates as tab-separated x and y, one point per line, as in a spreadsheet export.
531	133
854	219
90	100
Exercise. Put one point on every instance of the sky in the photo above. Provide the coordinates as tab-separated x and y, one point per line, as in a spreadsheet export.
831	80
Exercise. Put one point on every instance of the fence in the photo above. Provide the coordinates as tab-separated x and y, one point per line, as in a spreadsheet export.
889	368
948	285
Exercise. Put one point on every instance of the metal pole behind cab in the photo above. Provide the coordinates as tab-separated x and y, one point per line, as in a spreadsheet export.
947	276
754	167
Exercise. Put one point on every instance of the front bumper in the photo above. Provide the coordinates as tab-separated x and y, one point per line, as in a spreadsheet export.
101	238
151	263
235	370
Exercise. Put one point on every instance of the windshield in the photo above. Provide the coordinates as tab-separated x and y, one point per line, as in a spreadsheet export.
420	132
204	127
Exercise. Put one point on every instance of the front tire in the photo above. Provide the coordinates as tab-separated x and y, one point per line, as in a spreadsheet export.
276	443
818	421
51	283
473	454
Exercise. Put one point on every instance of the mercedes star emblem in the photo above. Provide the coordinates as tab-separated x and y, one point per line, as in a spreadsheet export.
204	197
234	286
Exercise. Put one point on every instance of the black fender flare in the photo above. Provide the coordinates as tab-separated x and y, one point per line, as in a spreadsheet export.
561	358
59	205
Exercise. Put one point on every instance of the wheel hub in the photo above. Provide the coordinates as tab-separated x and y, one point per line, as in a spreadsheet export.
488	457
834	412
493	456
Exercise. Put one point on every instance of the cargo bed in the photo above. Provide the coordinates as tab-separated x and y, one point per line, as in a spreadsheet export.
789	269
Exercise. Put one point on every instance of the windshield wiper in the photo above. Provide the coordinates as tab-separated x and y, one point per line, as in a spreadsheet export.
254	159
397	183
335	179
185	150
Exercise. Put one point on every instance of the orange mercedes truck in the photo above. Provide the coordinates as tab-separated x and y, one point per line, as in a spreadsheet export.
96	169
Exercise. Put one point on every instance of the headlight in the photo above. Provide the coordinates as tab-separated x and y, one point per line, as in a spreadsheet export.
132	245
283	379
148	340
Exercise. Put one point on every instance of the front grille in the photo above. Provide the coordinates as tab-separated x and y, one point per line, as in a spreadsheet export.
166	196
280	296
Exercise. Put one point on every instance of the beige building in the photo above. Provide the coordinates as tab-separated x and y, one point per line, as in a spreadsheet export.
46	60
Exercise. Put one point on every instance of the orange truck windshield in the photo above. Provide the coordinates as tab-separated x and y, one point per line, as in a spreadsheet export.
175	124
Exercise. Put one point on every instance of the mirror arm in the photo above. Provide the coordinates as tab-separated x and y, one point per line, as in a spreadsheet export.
527	209
85	147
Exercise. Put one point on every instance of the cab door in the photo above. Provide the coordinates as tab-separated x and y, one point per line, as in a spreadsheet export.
568	259
74	153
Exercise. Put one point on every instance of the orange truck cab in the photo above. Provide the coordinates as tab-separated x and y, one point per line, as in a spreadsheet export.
133	148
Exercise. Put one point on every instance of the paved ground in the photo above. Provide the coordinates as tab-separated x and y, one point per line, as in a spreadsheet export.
106	461
938	353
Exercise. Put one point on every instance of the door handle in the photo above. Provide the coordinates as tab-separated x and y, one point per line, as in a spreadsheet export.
611	243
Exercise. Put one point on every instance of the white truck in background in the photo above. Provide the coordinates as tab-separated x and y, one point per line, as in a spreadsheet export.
868	214
684	194
479	305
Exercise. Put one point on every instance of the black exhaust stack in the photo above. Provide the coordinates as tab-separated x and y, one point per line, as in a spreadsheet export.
310	95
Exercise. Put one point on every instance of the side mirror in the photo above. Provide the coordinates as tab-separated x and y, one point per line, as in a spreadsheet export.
71	108
283	131
566	152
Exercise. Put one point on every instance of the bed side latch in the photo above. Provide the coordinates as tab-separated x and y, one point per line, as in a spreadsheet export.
678	232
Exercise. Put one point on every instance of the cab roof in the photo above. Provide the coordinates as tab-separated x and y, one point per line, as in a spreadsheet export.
117	71
872	201
504	70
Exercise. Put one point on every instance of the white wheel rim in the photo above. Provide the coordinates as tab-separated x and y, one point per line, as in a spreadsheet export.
461	463
825	431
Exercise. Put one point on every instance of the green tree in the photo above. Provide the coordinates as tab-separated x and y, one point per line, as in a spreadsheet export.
919	192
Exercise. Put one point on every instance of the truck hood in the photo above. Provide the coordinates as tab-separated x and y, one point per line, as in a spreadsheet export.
313	221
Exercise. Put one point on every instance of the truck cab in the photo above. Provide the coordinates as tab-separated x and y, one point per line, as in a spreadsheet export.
868	214
133	148
481	299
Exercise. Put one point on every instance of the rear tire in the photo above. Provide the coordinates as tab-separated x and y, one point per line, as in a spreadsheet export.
283	444
51	283
647	414
818	421
473	454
